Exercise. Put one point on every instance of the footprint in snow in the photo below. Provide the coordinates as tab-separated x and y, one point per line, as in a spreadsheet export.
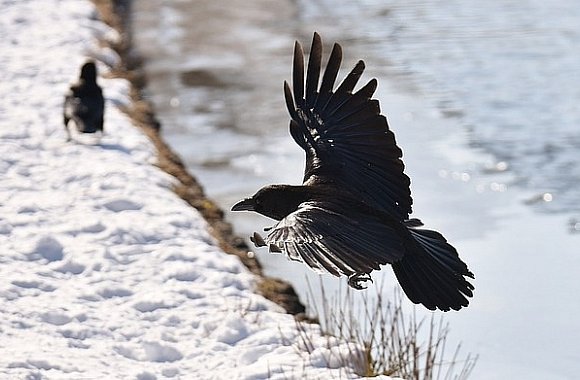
30	209
5	228
33	284
146	376
48	248
150	352
71	267
149	306
192	295
81	333
231	330
159	353
36	364
91	228
56	318
119	205
113	292
186	275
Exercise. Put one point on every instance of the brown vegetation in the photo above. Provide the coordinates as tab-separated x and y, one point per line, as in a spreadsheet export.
386	341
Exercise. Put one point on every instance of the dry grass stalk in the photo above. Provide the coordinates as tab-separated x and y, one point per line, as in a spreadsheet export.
384	340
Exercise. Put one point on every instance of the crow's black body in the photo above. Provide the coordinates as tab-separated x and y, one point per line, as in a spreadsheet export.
84	103
351	214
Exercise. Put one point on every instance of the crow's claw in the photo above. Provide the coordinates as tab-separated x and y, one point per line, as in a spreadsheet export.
357	279
257	240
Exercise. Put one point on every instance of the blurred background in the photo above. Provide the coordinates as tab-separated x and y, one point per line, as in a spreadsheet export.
483	99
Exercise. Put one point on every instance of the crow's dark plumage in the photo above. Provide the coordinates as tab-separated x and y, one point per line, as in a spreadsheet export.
351	214
84	103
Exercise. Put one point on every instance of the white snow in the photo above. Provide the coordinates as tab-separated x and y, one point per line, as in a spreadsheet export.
104	272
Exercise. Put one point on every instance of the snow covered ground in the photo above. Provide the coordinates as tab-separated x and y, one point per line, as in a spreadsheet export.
104	272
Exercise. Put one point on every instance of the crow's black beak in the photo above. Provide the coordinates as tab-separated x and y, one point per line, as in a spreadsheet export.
247	204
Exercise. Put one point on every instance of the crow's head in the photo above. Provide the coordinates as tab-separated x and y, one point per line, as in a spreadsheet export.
274	201
89	72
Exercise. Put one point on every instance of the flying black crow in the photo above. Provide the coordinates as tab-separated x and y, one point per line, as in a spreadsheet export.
84	103
351	214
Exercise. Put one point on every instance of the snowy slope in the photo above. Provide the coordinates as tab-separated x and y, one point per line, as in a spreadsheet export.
104	272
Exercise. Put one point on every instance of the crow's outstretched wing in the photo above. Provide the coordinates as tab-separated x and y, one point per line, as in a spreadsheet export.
329	238
346	139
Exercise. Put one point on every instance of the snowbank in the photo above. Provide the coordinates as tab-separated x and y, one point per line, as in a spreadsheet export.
104	272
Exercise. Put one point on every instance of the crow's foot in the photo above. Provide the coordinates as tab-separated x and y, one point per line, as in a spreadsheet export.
258	240
355	281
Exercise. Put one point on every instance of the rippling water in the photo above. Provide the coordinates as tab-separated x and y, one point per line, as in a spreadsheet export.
510	72
483	98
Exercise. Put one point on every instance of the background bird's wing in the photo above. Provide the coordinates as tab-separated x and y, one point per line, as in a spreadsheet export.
85	104
346	139
329	239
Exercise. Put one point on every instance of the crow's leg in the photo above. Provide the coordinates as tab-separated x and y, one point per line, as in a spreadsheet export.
66	128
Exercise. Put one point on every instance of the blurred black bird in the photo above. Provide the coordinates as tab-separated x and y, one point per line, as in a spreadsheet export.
351	214
84	103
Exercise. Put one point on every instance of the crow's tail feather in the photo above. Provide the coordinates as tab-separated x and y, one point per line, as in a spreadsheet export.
431	272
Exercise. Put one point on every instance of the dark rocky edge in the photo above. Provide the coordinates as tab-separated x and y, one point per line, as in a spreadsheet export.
117	14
